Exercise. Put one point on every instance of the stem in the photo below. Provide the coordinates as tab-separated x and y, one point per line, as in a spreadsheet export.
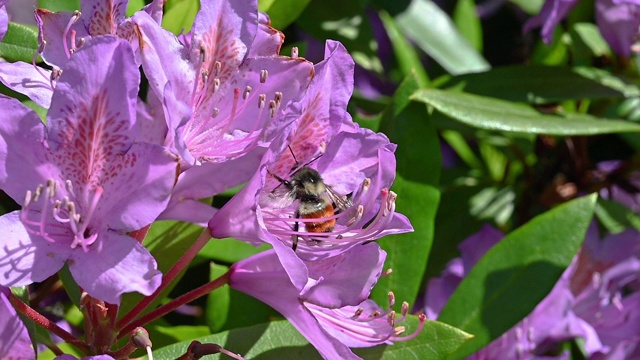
124	352
40	320
176	303
182	264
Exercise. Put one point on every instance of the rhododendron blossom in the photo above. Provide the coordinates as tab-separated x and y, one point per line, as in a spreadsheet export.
72	176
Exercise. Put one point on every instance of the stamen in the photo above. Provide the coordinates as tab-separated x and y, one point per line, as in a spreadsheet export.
263	76
392	299
73	20
215	112
357	313
262	99
278	97
272	108
247	92
203	53
217	67
294	52
391	318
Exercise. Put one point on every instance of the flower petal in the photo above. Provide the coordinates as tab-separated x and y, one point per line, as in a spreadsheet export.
102	17
114	265
27	258
262	277
52	30
140	188
346	279
14	338
26	79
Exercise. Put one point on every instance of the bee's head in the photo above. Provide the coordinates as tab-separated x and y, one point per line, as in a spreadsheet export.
307	182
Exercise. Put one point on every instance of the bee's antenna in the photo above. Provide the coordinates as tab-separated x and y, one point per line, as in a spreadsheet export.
281	180
292	154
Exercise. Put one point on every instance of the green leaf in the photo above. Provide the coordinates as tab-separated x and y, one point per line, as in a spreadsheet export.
434	32
179	15
537	84
283	12
134	5
531	7
70	285
59	5
416	183
493	114
517	273
182	333
616	217
218	300
280	340
468	22
20	43
587	36
229	250
408	58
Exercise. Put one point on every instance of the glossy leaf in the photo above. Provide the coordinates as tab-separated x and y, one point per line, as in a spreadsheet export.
217	301
179	14
59	5
517	273
434	32
407	57
280	340
468	23
493	114
283	12
535	84
229	250
416	183
20	43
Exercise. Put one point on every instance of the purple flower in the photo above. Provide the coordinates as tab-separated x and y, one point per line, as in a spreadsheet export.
15	342
348	159
618	21
4	18
235	100
224	95
552	12
82	181
62	33
606	284
596	298
332	311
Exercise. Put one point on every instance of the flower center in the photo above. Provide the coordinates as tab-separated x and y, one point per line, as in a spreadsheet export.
48	214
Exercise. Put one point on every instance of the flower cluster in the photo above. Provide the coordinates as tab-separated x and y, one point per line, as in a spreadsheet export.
223	108
596	299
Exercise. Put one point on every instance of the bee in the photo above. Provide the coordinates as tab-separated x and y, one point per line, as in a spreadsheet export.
317	200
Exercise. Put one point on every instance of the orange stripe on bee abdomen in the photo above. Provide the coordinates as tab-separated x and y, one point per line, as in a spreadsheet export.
321	226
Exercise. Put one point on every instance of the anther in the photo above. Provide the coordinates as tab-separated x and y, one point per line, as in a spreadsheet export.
392	299
386	273
263	76
357	313
247	92
215	112
272	108
217	67
203	53
278	97
375	314
294	52
262	99
391	318
205	76
399	330
38	192
405	308
216	85
27	198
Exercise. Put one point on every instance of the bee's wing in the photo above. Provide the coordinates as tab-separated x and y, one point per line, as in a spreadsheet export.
278	198
341	202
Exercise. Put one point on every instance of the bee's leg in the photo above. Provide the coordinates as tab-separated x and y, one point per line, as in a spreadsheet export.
296	227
